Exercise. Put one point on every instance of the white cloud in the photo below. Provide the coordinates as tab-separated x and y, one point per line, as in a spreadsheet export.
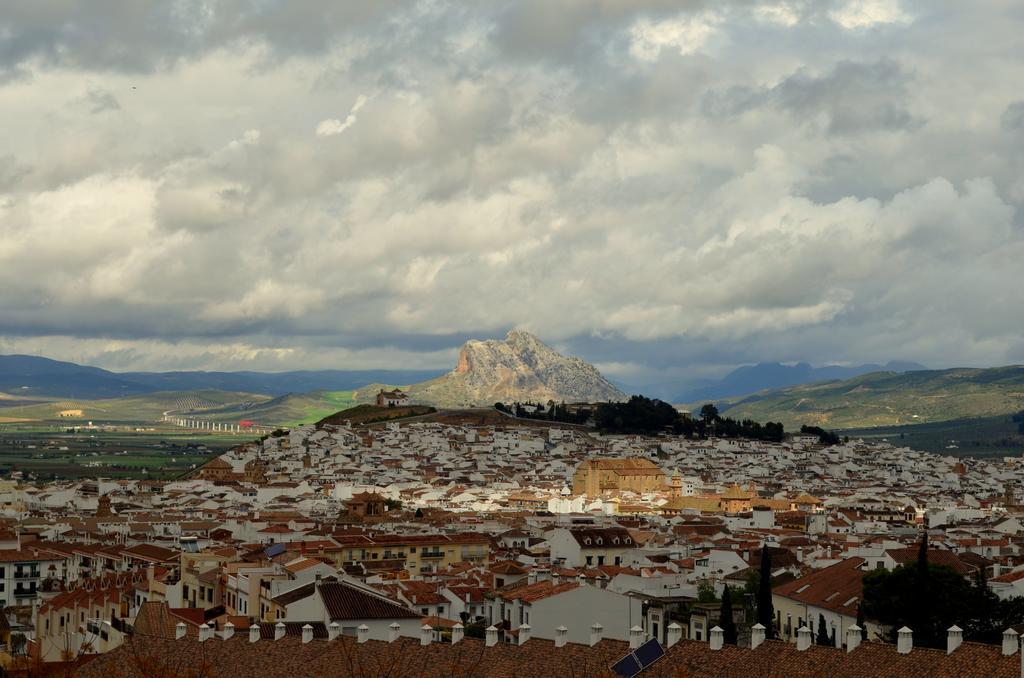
856	14
684	34
333	126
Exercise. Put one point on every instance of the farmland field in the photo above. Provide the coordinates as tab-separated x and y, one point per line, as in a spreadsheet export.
52	452
982	437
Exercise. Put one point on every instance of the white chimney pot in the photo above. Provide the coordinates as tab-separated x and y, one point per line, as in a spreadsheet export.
1010	642
954	638
717	639
561	634
757	636
853	638
803	638
904	640
675	633
524	633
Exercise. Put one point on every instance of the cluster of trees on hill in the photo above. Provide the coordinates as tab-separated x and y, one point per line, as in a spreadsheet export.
647	416
559	412
1019	420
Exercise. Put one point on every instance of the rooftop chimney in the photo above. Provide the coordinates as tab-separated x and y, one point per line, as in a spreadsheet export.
1009	642
853	636
307	634
904	640
393	632
458	633
254	633
636	637
675	633
333	630
278	630
492	636
524	634
596	631
229	631
803	638
179	631
426	635
362	633
954	638
531	578
204	632
717	639
561	634
757	636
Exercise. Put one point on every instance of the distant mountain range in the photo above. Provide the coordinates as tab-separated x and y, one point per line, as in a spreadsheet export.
32	376
753	378
889	398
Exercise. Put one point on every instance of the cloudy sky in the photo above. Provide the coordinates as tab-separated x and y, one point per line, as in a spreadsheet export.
665	187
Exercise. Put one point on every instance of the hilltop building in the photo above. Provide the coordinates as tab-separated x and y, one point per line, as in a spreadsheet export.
395	398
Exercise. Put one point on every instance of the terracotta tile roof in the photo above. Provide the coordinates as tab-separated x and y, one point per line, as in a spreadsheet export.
837	587
289	657
346	601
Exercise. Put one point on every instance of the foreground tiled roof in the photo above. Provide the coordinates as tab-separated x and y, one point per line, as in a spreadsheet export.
289	657
344	601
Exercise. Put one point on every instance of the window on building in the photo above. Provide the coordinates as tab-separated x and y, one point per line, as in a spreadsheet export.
590	560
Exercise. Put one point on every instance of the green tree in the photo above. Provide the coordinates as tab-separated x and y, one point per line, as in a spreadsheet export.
765	607
894	599
709	413
861	623
725	620
706	592
823	637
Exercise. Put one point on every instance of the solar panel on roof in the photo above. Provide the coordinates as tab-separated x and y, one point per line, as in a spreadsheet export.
274	550
627	667
649	652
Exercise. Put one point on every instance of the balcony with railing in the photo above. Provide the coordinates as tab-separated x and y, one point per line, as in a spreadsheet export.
432	554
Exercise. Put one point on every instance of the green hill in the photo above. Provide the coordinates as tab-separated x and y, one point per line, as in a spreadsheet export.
147	407
369	414
287	410
888	399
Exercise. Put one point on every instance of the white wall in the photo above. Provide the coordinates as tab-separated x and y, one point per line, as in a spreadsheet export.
578	609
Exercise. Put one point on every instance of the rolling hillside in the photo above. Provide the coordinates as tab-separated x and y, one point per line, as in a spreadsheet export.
147	407
889	399
35	378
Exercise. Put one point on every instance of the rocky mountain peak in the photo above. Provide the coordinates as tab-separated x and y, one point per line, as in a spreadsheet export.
520	368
